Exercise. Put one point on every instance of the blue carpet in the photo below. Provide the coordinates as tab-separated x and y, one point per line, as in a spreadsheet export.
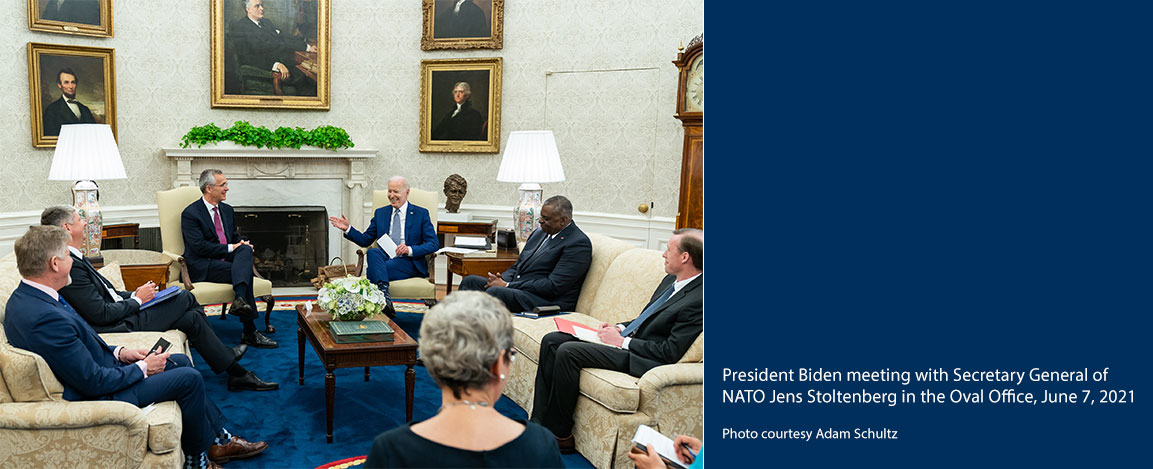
291	419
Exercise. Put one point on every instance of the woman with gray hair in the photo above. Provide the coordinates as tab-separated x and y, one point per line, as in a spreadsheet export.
466	345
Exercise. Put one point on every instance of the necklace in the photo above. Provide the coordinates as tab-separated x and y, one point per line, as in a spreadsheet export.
470	404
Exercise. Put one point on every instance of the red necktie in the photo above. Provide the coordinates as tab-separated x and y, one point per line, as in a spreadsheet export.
219	226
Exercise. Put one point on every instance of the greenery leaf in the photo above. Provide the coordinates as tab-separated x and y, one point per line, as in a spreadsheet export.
244	133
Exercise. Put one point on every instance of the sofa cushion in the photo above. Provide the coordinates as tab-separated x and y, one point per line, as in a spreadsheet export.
27	376
9	280
696	351
527	333
605	251
627	286
614	390
111	272
164	426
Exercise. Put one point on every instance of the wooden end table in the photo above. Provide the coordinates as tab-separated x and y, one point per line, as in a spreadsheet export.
401	351
463	265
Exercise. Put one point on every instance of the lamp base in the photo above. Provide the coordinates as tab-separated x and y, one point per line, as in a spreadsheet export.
526	212
85	196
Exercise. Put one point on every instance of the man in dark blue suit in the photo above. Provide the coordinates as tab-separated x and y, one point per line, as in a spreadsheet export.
39	321
109	310
416	240
550	269
214	251
660	335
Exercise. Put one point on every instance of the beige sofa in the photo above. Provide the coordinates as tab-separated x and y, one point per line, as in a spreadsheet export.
38	428
611	404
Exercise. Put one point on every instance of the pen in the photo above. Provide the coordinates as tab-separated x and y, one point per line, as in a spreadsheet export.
692	454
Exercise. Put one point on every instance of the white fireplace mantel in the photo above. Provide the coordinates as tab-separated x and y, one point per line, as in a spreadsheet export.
270	165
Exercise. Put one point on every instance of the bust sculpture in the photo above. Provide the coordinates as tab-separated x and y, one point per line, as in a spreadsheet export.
455	187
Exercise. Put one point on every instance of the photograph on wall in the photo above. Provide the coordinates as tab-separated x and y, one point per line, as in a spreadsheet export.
463	24
69	85
270	54
82	17
460	105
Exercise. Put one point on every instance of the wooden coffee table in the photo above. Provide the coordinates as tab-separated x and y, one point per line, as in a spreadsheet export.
463	266
401	351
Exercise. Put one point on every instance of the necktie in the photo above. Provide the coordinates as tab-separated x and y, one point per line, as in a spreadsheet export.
396	231
219	226
636	324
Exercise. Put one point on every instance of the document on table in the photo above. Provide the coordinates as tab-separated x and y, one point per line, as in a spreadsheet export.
457	250
386	243
478	242
645	435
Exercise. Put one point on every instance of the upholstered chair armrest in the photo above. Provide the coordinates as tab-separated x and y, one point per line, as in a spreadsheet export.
184	278
359	262
672	395
117	422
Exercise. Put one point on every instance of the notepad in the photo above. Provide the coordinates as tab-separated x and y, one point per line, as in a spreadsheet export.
385	242
645	435
579	330
161	296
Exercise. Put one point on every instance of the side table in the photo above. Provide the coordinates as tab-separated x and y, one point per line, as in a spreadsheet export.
462	264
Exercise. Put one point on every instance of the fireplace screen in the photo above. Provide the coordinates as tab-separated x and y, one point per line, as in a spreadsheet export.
290	242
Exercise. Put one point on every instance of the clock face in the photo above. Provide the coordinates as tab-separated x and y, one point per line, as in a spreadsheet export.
695	86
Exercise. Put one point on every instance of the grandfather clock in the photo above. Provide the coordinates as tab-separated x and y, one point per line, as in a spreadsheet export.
691	112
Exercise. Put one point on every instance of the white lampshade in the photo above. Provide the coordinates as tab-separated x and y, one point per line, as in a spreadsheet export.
86	152
530	157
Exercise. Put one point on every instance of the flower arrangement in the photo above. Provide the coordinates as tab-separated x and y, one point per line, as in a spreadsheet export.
351	298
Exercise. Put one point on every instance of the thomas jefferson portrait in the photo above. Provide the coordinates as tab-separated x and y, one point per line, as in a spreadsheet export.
460	105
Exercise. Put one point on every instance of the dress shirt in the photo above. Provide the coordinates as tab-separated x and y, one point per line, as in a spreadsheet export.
212	215
56	296
677	286
73	105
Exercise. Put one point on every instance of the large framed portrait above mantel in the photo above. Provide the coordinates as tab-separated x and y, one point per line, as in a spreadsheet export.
70	85
460	105
82	17
270	54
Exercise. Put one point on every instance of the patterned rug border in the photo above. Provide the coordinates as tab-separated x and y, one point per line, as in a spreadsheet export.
344	463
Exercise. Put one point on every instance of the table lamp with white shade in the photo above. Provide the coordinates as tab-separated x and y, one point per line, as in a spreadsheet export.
86	153
530	158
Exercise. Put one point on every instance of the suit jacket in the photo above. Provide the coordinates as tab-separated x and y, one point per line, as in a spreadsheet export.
79	358
200	242
557	271
666	335
58	114
419	233
264	45
88	294
468	124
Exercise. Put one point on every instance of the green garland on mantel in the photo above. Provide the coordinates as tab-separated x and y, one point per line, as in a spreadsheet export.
243	133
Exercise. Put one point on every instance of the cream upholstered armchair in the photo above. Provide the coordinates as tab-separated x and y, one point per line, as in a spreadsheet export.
170	204
38	428
411	288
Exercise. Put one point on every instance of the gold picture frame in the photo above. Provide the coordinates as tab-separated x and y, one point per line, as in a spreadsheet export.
279	60
54	70
79	17
471	125
474	24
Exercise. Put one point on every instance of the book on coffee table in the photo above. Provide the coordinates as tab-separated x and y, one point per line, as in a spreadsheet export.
357	332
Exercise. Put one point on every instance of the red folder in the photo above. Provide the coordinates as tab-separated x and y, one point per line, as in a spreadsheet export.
564	325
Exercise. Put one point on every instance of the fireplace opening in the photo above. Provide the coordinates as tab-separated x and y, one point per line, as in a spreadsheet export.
289	242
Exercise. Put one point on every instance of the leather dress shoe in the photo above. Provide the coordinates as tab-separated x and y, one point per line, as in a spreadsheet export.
249	382
239	351
389	310
258	340
212	465
242	309
236	448
567	444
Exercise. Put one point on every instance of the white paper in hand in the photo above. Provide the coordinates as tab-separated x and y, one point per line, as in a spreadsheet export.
386	243
664	446
588	335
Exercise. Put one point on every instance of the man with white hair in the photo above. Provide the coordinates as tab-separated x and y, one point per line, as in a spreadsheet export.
408	225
